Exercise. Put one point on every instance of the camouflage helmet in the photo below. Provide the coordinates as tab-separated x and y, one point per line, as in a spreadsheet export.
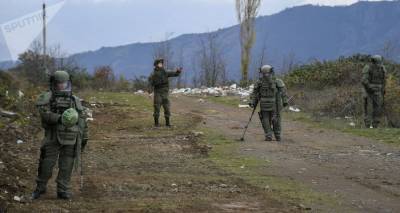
70	117
61	76
377	58
266	69
158	60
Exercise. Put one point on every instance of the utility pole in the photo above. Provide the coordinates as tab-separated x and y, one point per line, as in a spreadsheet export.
44	38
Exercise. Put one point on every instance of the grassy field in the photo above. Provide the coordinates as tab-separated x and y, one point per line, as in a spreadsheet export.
386	135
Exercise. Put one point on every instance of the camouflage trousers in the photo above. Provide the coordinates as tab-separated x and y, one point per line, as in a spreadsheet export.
373	109
161	99
271	123
50	152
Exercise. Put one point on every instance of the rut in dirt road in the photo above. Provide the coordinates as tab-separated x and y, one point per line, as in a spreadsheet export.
362	174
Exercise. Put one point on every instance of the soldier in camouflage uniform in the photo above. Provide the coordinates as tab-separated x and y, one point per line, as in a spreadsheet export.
159	83
373	81
65	134
270	92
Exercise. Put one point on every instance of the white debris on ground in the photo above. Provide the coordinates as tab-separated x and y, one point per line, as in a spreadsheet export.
294	109
20	141
20	94
232	90
139	92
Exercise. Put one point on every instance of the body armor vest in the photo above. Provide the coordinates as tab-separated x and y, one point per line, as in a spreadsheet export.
376	75
160	79
65	135
268	92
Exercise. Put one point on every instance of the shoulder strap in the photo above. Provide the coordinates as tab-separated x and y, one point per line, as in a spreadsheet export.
78	103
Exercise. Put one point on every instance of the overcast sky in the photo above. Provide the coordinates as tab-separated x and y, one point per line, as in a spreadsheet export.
83	25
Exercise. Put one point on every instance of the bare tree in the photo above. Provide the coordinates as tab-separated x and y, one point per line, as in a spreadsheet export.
196	77
180	64
163	50
289	62
261	58
211	61
390	49
246	13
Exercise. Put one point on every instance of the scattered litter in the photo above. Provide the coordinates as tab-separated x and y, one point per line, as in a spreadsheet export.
389	154
139	92
201	101
352	124
174	185
20	141
223	185
232	90
16	198
242	167
248	149
197	134
20	94
244	106
8	114
294	109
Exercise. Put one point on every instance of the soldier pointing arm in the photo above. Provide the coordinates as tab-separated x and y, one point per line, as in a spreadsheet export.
159	82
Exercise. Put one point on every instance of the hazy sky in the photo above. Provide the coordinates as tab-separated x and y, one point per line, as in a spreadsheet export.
89	24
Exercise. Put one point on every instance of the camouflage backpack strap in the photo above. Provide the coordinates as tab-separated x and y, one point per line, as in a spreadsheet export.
78	104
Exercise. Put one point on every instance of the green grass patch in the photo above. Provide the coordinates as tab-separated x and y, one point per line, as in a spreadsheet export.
386	135
120	98
225	154
226	100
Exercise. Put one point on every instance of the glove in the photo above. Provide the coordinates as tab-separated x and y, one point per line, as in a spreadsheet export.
285	104
251	105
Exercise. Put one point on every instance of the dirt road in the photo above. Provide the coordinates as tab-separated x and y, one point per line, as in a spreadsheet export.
362	174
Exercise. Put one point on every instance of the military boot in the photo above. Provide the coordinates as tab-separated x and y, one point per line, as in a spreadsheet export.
64	195
167	122
268	138
278	138
37	193
156	122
